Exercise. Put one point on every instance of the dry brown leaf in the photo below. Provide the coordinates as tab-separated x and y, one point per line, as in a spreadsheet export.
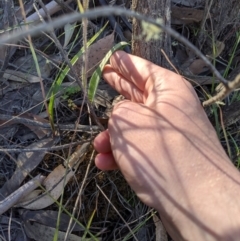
219	47
40	132
96	52
182	15
26	162
19	76
199	66
55	182
41	232
49	218
30	196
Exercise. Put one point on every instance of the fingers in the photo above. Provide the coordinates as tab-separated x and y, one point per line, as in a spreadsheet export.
134	69
102	142
122	85
105	161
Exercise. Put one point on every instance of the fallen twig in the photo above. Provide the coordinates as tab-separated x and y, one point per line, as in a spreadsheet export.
54	148
13	198
67	127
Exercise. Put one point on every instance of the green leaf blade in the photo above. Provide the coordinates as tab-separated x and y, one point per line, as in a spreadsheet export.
94	81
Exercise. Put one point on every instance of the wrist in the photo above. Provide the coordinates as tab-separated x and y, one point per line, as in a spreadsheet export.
209	212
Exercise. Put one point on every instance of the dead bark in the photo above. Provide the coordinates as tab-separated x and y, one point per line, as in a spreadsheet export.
151	50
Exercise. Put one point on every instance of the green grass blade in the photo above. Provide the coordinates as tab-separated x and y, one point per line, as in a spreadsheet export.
93	84
58	82
88	225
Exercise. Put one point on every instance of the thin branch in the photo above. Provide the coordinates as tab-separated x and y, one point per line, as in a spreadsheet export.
55	148
224	92
67	127
103	12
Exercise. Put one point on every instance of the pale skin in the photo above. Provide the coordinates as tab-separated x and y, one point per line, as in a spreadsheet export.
168	151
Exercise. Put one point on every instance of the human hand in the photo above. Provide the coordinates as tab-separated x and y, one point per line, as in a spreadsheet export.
161	140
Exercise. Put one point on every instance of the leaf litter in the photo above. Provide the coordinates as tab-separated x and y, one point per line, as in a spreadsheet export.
55	182
26	162
49	218
16	195
95	53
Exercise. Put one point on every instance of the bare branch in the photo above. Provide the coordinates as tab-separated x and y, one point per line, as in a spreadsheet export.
224	92
106	11
54	148
67	127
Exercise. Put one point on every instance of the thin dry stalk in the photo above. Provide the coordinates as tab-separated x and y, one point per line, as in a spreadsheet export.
225	91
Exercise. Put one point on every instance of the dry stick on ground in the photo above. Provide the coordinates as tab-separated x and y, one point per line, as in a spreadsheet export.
52	8
55	148
62	127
